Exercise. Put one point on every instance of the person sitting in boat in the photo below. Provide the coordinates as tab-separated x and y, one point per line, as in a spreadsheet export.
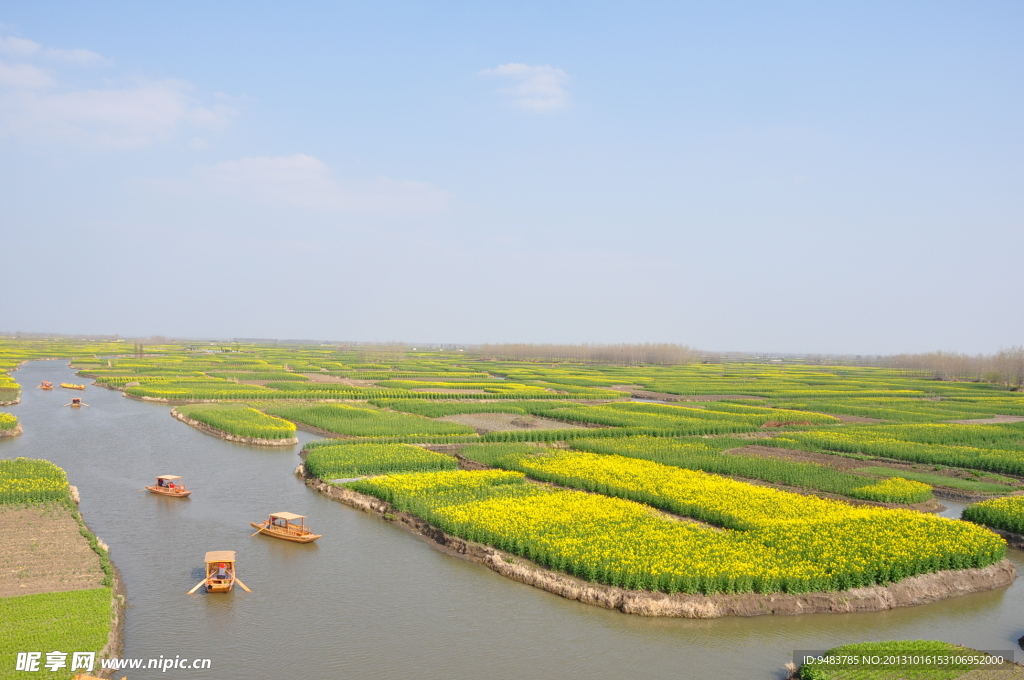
161	482
170	485
222	572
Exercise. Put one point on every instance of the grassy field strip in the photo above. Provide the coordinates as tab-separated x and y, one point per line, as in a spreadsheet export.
71	621
707	455
356	460
365	422
842	442
940	480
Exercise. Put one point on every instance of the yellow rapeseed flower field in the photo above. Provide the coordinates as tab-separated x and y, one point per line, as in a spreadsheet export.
773	541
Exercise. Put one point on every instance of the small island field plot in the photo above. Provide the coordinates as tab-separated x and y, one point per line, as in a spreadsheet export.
237	422
773	541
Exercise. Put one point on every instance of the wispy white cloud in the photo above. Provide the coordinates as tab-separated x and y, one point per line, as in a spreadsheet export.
131	116
39	105
536	88
19	46
23	47
23	77
307	182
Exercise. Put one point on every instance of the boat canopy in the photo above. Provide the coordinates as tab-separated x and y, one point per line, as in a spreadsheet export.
168	477
287	516
220	556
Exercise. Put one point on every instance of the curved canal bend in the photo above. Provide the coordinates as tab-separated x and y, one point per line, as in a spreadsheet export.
368	600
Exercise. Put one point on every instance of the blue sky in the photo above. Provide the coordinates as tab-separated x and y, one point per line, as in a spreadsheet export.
802	177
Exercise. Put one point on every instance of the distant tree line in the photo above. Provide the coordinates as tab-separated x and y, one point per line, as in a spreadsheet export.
1005	367
664	354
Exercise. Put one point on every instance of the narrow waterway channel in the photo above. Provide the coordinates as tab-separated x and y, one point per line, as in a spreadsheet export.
369	601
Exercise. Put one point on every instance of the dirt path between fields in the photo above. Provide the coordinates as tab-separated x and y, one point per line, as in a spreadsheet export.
499	422
995	420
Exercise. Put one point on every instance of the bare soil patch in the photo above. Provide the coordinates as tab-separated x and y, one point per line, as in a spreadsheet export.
12	432
497	422
854	419
995	420
445	390
838	462
44	552
665	396
351	382
844	463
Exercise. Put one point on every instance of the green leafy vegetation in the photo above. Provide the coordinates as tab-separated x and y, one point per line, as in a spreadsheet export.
239	420
999	513
71	621
939	480
342	461
366	422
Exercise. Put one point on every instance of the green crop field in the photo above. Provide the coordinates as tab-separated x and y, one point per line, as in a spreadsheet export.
941	480
342	461
999	513
8	421
71	621
776	541
365	422
28	480
239	420
706	455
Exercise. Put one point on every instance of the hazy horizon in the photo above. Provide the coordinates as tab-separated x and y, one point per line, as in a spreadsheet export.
793	178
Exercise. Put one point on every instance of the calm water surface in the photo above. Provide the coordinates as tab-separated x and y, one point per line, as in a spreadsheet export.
368	600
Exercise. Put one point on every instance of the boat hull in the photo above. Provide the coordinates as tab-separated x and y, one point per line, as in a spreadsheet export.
213	586
294	538
167	492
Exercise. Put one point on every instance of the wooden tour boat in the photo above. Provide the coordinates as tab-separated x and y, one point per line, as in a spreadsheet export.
72	386
220	573
76	401
45	385
168	485
284	525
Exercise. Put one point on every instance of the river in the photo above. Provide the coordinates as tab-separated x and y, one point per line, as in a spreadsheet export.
370	601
